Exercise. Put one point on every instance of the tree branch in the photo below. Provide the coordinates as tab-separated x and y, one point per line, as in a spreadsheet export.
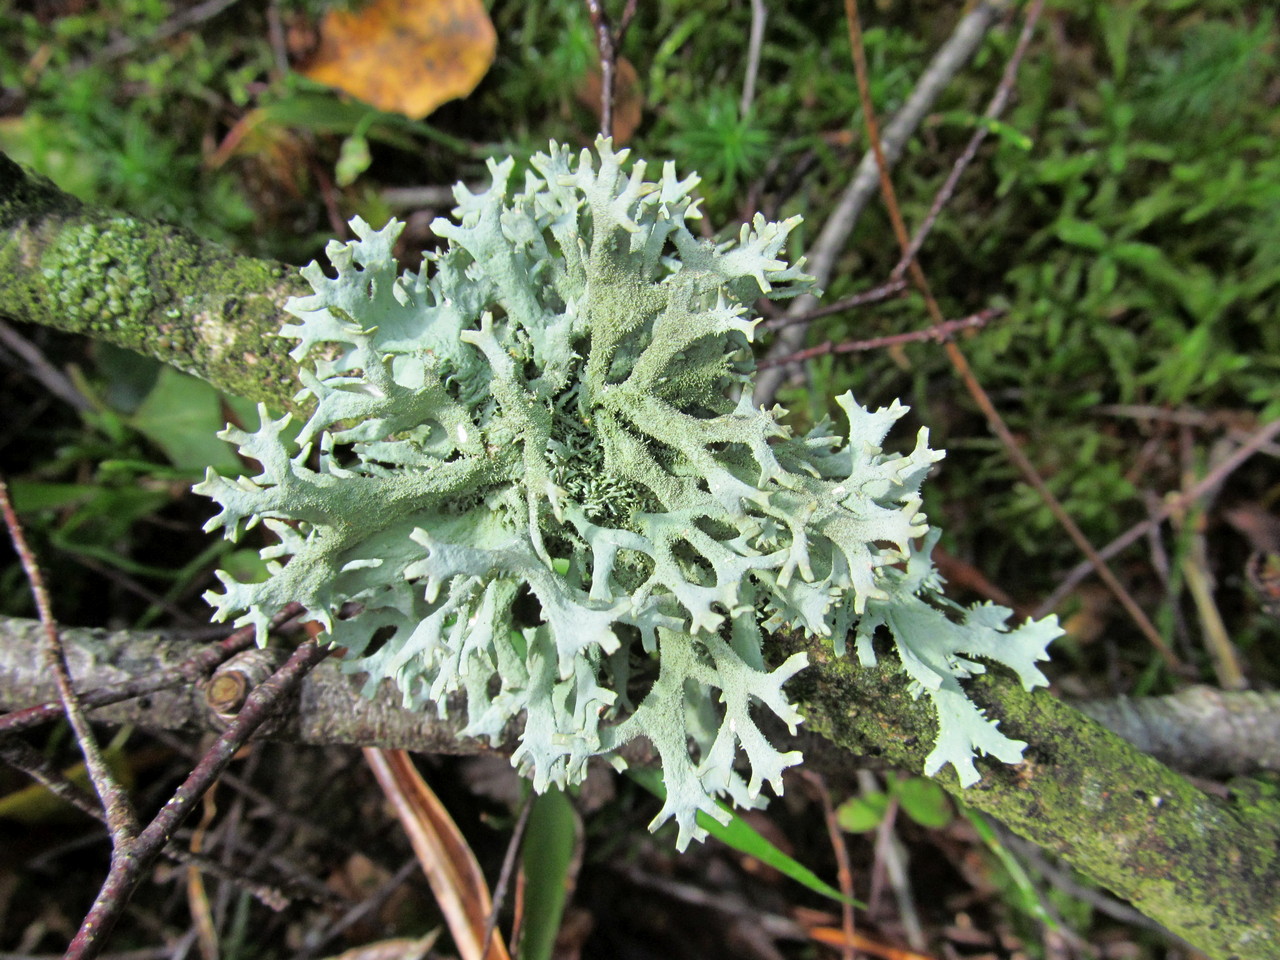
1204	868
146	286
327	710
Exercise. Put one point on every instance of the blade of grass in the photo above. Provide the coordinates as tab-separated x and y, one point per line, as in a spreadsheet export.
741	836
551	843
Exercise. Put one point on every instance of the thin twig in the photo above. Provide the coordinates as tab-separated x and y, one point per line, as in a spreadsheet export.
996	107
322	936
946	63
1261	438
758	17
886	291
504	875
184	20
844	869
53	379
608	40
121	819
937	334
963	370
129	866
23	757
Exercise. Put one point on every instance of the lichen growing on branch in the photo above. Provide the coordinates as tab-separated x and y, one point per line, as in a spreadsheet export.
541	481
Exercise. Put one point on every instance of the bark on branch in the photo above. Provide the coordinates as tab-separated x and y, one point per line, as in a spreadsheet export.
146	286
1205	868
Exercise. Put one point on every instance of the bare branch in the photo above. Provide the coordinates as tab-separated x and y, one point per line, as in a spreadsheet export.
129	866
938	333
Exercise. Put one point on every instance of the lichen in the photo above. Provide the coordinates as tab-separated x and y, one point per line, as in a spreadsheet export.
100	271
541	481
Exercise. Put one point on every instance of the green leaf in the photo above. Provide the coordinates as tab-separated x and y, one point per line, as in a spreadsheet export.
862	814
739	835
924	801
553	835
182	415
29	496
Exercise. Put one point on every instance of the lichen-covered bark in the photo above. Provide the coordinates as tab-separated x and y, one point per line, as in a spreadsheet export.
1207	869
144	285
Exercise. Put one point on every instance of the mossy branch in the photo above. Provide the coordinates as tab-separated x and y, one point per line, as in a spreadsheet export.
146	286
1206	869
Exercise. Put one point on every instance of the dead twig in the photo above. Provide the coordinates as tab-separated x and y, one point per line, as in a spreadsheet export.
608	39
1004	90
886	291
505	873
758	17
53	379
938	334
130	863
844	869
121	818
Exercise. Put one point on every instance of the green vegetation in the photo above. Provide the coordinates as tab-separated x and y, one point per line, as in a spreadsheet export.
1124	216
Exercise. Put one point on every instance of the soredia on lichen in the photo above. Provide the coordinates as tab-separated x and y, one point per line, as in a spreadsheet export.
541	483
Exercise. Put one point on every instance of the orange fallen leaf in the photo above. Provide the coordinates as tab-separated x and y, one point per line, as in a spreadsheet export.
451	868
405	56
834	937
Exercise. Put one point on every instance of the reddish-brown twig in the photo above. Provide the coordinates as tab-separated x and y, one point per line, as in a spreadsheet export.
121	819
963	370
937	333
844	868
996	107
21	756
885	291
130	863
608	39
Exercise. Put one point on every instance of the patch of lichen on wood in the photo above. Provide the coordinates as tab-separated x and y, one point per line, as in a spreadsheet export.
145	286
1208	869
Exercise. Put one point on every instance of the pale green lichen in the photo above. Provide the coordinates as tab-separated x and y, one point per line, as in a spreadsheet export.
100	273
541	480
